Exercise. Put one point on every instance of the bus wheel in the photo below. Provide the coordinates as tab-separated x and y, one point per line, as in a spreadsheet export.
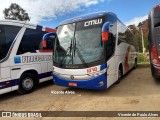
27	83
135	63
152	70
120	74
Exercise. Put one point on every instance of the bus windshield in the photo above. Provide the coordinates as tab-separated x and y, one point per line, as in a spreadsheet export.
7	35
79	43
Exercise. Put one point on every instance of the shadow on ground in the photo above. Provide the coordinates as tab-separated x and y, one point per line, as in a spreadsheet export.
14	94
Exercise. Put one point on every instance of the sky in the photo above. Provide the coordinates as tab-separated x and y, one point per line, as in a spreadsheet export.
51	12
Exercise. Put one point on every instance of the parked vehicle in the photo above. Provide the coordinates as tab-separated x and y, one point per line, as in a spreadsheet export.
23	61
93	51
154	40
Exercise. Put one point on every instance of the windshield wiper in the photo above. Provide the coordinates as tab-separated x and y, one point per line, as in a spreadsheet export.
79	54
69	49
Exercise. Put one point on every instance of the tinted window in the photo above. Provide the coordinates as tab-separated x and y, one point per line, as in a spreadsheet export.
121	32
50	42
124	34
7	36
31	41
156	12
156	17
112	36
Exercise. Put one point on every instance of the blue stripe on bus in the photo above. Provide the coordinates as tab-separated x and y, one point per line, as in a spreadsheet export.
103	66
9	83
44	75
14	82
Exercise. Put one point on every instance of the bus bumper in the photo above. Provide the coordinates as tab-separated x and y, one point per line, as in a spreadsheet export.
97	83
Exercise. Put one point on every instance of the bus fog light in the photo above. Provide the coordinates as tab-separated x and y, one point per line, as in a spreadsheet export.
101	83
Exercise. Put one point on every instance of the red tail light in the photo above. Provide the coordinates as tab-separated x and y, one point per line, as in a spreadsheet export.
155	59
105	36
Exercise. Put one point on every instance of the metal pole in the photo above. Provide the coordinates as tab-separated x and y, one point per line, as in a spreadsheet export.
142	41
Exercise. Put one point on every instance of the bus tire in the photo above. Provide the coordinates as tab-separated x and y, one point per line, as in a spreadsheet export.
135	63
152	70
27	83
120	74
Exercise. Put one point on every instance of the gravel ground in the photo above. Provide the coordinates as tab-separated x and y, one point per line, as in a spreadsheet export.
137	91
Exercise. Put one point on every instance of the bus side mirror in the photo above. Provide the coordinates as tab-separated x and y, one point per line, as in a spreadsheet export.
105	32
105	36
44	43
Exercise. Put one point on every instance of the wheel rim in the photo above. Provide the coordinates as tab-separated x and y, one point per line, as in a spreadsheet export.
27	83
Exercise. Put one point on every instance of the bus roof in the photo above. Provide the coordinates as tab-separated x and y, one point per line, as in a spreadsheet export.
87	16
17	22
157	6
25	23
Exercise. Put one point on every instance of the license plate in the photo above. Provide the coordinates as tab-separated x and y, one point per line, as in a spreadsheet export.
72	84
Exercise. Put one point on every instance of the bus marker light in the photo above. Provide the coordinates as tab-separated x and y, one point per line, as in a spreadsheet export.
7	82
72	84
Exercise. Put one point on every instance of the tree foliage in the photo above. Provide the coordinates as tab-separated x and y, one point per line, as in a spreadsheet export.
15	12
138	36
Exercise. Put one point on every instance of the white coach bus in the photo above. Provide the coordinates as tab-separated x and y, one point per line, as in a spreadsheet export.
93	51
23	61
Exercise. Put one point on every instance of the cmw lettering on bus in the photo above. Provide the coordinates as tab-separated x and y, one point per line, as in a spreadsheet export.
93	22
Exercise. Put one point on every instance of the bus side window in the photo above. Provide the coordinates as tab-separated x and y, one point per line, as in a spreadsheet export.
156	18
7	36
112	39
110	45
31	41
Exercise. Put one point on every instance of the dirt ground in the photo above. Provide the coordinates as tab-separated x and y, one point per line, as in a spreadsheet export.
137	91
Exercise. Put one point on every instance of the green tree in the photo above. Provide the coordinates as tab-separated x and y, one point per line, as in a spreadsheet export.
15	12
138	36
